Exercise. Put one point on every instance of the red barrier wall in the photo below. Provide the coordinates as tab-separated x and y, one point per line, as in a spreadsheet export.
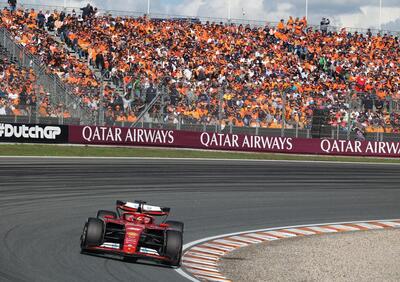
100	135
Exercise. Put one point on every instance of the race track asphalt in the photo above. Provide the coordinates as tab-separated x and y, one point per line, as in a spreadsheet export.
44	203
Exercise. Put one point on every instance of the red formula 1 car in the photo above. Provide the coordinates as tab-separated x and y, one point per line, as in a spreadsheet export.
132	233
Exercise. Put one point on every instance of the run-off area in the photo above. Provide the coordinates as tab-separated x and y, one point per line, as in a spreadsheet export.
351	256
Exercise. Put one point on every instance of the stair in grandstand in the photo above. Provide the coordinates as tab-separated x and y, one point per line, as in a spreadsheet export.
143	115
80	113
95	70
33	118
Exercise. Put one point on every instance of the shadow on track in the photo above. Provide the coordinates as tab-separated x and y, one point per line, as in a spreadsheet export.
125	260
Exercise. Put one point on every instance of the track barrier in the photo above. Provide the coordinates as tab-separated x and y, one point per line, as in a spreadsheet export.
123	136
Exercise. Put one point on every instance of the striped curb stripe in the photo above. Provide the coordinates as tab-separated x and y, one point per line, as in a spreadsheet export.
200	259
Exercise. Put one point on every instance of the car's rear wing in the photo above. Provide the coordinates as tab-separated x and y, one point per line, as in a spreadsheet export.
142	207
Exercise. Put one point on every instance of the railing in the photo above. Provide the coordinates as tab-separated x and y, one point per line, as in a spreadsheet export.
295	132
382	124
35	114
59	115
243	21
59	94
147	109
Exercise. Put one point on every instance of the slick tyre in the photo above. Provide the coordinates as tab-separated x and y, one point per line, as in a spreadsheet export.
93	233
102	213
175	225
173	248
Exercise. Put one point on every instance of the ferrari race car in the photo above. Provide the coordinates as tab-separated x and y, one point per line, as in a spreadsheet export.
132	232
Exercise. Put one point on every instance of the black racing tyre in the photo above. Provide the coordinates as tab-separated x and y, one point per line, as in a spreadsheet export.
102	213
93	233
175	225
173	248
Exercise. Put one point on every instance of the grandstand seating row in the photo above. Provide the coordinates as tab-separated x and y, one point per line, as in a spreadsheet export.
218	72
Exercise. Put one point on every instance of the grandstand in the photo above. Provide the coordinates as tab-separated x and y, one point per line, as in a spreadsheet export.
191	73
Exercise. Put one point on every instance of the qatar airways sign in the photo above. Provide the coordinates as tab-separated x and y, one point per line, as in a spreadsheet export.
126	135
174	138
233	142
230	141
329	146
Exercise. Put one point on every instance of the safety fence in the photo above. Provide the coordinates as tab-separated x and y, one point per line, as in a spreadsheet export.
37	112
58	93
123	136
331	132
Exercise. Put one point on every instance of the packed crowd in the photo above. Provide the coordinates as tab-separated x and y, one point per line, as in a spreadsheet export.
32	30
21	96
261	76
29	32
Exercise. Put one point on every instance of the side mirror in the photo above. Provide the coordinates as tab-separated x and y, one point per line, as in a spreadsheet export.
164	225
109	217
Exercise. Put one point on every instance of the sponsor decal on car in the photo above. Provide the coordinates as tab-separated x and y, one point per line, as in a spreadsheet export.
111	245
133	229
131	234
149	251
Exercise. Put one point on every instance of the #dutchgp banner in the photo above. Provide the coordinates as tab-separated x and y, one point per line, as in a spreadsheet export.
33	133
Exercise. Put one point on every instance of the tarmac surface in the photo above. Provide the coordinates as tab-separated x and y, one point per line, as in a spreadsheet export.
45	202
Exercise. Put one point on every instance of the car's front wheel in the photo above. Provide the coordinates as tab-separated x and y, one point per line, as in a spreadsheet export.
173	247
93	233
175	225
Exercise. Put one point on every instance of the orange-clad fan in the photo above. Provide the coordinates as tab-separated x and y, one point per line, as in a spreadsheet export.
254	70
20	96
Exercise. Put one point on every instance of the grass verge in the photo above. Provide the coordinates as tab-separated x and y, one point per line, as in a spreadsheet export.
95	151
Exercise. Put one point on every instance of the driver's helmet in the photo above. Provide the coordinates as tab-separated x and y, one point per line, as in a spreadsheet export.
137	218
143	219
140	219
129	217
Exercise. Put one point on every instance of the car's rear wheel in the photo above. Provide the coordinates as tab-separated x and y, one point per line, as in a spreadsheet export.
175	225
93	233
173	248
102	213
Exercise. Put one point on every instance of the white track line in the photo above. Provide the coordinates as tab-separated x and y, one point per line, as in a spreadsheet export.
224	160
